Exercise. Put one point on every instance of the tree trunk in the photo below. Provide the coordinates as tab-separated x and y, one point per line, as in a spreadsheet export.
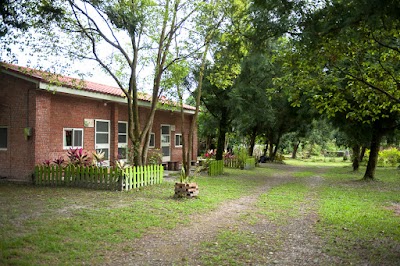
188	146
185	165
133	129
356	157
362	153
221	138
295	149
252	141
373	156
265	149
271	151
276	148
208	143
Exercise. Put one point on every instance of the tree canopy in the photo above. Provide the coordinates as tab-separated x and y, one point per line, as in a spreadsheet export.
269	66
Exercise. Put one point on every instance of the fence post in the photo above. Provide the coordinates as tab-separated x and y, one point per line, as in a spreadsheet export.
133	173
122	178
36	176
66	175
161	173
128	183
47	175
150	174
141	176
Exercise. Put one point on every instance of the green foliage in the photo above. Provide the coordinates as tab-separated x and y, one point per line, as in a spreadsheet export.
241	154
312	149
280	158
154	157
121	164
389	157
190	177
348	65
98	157
21	15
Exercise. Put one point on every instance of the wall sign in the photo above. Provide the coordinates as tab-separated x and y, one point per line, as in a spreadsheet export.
88	122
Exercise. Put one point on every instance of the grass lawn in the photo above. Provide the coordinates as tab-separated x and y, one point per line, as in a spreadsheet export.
68	226
42	225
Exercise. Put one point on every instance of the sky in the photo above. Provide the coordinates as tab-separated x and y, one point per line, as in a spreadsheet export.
64	65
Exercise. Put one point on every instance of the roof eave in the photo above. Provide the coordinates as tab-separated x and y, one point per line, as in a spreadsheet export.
94	95
44	85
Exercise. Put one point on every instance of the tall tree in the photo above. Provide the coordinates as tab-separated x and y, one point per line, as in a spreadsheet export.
251	106
228	49
350	64
138	34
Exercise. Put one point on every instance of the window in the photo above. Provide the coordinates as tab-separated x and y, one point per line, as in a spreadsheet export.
122	140
178	140
102	130
73	138
152	141
102	139
3	138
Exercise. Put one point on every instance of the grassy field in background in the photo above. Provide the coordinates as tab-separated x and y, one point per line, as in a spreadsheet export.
68	226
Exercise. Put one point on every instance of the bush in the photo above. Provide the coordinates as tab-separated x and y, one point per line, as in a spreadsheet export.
242	155
279	157
154	157
389	157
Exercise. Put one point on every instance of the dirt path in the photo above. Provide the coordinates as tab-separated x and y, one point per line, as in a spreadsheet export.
299	245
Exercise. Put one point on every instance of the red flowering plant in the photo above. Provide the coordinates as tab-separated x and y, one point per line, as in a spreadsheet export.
47	162
209	154
79	157
229	155
59	161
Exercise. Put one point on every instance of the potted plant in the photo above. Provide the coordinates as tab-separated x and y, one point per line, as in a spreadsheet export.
186	187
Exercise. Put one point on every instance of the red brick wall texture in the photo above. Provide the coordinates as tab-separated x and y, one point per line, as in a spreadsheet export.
22	105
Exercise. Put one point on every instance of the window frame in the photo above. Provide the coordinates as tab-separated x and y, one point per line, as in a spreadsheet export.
123	145
180	142
152	135
103	146
7	138
65	147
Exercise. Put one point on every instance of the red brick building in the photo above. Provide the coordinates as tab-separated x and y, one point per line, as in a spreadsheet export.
40	121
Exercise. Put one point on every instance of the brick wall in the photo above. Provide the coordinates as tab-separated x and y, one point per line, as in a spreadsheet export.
17	111
173	118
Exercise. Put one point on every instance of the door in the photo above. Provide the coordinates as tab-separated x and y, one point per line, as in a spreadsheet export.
166	143
102	139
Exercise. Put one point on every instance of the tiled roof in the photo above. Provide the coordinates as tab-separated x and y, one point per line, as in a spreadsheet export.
74	83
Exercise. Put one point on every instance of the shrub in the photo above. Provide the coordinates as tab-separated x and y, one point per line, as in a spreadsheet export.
79	157
389	157
59	161
279	157
98	158
242	155
154	157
